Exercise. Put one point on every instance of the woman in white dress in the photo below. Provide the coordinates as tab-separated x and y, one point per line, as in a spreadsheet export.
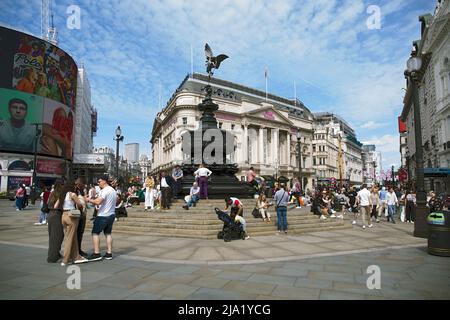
149	184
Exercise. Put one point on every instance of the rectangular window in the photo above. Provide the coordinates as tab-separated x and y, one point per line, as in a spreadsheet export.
314	161
232	127
184	120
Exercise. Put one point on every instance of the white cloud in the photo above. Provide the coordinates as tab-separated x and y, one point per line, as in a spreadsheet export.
389	146
130	48
372	125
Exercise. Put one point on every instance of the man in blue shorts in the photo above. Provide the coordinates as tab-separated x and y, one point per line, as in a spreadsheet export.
105	218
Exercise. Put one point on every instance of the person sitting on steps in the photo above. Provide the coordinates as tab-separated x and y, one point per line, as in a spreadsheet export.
194	196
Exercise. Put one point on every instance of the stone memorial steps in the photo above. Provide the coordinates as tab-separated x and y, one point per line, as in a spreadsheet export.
202	223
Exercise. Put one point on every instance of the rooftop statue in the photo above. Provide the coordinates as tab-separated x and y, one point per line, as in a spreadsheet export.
211	61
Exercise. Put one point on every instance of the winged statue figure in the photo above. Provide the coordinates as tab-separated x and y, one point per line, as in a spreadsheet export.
213	62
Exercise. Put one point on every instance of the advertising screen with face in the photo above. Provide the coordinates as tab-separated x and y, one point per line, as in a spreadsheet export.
18	112
46	78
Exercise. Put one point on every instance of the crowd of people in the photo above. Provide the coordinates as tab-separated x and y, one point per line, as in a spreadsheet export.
64	206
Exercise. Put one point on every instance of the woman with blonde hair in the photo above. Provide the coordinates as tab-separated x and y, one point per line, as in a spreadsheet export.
262	206
375	197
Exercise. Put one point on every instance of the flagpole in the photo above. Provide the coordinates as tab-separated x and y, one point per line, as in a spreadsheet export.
295	94
265	75
192	61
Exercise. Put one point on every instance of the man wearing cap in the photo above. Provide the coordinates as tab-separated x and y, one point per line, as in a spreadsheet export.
105	218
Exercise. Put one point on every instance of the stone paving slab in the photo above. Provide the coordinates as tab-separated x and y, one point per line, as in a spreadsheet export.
311	266
178	291
296	293
248	287
210	282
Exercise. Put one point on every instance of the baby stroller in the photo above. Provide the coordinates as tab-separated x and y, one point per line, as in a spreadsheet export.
231	230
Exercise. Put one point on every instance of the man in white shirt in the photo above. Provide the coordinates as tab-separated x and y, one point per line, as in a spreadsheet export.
194	195
105	218
203	173
365	202
392	201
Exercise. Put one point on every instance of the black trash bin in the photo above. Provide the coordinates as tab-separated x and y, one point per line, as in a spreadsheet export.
439	233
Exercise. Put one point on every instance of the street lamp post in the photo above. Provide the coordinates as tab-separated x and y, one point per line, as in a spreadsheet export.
33	186
374	179
414	64
393	177
300	180
118	138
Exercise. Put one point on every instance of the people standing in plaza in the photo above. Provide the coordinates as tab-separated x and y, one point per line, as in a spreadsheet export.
281	200
391	201
92	192
20	195
410	207
166	184
251	178
383	204
194	196
81	193
149	185
54	220
177	176
375	197
352	194
203	174
70	220
104	221
402	206
45	194
365	202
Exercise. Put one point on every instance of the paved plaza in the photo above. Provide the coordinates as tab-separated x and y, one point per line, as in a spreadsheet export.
320	265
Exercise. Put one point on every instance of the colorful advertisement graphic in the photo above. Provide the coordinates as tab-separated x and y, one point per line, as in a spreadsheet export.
44	77
43	69
18	112
58	121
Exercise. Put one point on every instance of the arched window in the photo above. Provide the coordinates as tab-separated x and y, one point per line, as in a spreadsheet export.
19	165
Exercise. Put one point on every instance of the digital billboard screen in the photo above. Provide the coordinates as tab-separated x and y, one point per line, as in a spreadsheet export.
38	83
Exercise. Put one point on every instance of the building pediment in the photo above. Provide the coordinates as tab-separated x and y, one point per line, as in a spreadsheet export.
270	114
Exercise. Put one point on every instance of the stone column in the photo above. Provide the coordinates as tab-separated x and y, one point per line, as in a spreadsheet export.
261	145
288	140
276	146
245	145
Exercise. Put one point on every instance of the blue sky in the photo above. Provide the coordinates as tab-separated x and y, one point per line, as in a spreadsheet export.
133	50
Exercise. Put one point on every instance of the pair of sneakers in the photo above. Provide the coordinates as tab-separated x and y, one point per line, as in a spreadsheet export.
98	256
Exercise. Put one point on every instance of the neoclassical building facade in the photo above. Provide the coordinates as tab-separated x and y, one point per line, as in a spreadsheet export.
433	99
265	128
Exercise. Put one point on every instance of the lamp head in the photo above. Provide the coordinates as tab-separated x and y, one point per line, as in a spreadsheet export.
299	135
118	131
413	64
